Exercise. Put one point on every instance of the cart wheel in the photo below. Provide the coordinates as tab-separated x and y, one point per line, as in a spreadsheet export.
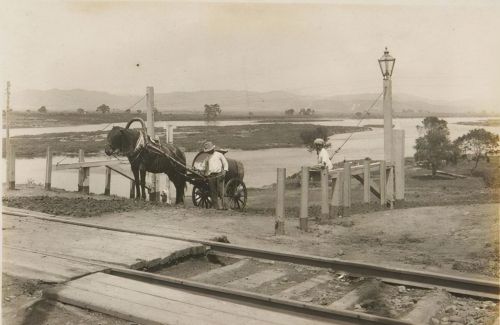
201	197
236	194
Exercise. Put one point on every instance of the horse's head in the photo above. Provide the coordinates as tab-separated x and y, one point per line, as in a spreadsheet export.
117	141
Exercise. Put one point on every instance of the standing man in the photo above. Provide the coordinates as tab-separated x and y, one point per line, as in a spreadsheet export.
323	156
215	168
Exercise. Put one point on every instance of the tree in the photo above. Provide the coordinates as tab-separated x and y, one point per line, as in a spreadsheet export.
139	111
212	111
434	147
289	112
127	111
358	115
308	136
103	109
478	143
42	109
80	111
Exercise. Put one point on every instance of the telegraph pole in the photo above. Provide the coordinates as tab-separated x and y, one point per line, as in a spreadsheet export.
154	195
7	108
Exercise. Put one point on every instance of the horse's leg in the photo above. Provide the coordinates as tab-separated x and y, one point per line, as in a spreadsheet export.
135	171
143	182
180	185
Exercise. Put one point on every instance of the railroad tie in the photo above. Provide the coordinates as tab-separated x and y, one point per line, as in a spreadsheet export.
427	307
304	286
360	293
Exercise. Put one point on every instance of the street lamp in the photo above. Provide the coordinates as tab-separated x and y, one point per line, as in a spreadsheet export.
386	63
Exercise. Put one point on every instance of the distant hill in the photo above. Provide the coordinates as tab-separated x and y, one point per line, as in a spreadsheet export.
233	101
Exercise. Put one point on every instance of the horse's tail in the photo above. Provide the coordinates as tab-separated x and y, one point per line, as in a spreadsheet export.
137	119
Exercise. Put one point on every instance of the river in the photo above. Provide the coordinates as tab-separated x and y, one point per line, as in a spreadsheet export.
260	165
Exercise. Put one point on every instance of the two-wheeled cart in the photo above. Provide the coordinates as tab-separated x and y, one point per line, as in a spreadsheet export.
235	190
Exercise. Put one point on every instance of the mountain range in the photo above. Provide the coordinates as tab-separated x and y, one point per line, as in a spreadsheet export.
233	101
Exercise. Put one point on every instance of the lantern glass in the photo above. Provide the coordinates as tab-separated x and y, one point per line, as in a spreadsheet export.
386	63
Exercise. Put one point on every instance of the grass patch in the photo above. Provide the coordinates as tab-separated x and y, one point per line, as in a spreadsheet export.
244	137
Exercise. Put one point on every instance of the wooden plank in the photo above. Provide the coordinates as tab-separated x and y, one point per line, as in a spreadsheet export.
156	304
37	266
305	286
355	170
90	164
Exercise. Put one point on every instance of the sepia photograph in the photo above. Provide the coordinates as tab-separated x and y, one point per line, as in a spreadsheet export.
226	162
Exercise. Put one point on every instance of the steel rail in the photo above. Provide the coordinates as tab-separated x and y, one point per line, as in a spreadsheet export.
459	285
337	316
298	308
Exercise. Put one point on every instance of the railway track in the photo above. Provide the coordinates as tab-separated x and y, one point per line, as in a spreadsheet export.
287	282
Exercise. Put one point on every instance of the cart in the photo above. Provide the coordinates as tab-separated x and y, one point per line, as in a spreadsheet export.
235	191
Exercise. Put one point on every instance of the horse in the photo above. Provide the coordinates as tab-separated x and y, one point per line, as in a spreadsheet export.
146	157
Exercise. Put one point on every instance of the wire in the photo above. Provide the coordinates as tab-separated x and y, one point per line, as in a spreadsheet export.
359	122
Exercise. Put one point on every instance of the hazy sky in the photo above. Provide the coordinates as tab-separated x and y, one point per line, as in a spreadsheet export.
446	51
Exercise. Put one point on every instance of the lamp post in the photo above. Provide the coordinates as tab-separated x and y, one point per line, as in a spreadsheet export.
386	63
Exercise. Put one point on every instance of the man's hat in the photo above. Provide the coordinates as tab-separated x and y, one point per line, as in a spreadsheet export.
319	142
208	146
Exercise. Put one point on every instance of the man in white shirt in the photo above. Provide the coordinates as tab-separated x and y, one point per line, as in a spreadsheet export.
216	168
323	156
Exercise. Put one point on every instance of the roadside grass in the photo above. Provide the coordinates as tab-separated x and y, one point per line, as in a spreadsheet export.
190	138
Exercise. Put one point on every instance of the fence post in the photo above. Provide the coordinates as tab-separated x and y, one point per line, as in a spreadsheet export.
366	181
304	198
81	174
399	164
48	170
390	187
347	189
107	181
325	207
383	180
11	165
337	200
279	227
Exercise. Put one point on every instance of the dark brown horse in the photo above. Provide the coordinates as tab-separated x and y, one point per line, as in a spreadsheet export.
147	157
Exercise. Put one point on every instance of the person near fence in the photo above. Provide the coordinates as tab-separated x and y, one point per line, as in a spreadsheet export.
323	156
216	166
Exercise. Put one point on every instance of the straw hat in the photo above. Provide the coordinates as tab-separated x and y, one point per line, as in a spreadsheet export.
319	142
208	146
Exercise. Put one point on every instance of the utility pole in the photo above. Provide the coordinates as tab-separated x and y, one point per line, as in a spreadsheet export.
154	195
7	108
